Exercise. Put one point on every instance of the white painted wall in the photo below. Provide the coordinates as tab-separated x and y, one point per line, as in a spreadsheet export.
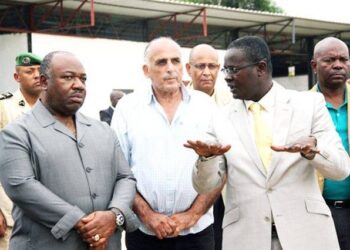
10	46
294	82
110	64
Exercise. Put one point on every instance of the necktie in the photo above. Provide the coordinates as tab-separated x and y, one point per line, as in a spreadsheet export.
263	135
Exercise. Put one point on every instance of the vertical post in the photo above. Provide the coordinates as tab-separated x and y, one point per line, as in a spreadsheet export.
29	42
293	31
231	36
310	47
92	13
204	23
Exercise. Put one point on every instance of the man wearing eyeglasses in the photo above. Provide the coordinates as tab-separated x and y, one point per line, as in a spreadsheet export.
273	200
203	68
331	65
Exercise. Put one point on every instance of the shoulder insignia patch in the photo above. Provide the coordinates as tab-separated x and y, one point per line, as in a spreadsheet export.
5	95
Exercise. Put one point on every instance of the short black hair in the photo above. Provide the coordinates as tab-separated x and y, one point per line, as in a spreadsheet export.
254	48
46	63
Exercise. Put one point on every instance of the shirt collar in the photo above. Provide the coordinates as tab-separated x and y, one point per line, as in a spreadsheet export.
186	94
45	118
329	105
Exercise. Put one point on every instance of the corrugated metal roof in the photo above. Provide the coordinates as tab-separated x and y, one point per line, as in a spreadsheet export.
230	18
216	15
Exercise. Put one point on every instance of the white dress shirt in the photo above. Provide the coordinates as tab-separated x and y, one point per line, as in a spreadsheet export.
154	149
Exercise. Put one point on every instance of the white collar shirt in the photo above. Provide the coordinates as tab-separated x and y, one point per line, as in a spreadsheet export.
154	149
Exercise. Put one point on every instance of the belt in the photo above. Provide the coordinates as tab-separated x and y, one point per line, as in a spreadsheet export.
338	204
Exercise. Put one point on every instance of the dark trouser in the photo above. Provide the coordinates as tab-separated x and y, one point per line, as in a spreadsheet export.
203	240
341	217
219	211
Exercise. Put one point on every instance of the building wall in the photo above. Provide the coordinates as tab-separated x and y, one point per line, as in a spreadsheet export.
296	82
110	64
10	46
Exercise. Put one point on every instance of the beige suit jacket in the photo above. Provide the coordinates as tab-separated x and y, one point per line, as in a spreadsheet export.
288	191
10	109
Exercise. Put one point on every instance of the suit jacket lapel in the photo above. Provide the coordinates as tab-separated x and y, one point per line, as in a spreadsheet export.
82	126
45	118
281	124
239	118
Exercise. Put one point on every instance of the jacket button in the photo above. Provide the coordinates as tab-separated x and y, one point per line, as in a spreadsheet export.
94	196
88	169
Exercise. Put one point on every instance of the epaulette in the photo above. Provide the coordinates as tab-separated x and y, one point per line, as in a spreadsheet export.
5	96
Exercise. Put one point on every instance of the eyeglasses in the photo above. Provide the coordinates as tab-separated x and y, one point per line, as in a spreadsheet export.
202	66
232	70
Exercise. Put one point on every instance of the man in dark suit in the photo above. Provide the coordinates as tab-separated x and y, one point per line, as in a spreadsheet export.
106	114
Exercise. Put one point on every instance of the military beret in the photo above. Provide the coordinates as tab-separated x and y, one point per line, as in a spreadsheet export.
27	59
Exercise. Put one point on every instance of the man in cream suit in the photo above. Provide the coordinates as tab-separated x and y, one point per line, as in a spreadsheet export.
273	199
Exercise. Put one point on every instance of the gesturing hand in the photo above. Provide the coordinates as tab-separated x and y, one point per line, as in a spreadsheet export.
206	149
305	145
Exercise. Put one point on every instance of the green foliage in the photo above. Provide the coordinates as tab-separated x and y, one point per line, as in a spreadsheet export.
262	5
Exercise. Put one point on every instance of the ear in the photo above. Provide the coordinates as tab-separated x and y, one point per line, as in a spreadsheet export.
313	65
43	82
16	77
188	69
261	68
145	70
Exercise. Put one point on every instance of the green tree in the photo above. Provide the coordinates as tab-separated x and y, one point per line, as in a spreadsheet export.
262	5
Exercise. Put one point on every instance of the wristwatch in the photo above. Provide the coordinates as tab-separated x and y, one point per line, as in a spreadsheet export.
119	217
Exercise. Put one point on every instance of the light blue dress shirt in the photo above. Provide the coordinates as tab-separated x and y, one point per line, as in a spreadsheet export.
154	149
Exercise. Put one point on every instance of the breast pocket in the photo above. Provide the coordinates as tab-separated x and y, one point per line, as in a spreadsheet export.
231	217
296	134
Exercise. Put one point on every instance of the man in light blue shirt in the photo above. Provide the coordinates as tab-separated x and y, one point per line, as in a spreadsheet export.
152	127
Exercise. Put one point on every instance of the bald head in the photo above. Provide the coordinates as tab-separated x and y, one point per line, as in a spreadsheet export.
163	66
203	68
201	50
328	43
331	64
157	43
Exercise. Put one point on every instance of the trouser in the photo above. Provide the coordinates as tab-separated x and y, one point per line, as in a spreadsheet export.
219	211
203	240
341	217
275	242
